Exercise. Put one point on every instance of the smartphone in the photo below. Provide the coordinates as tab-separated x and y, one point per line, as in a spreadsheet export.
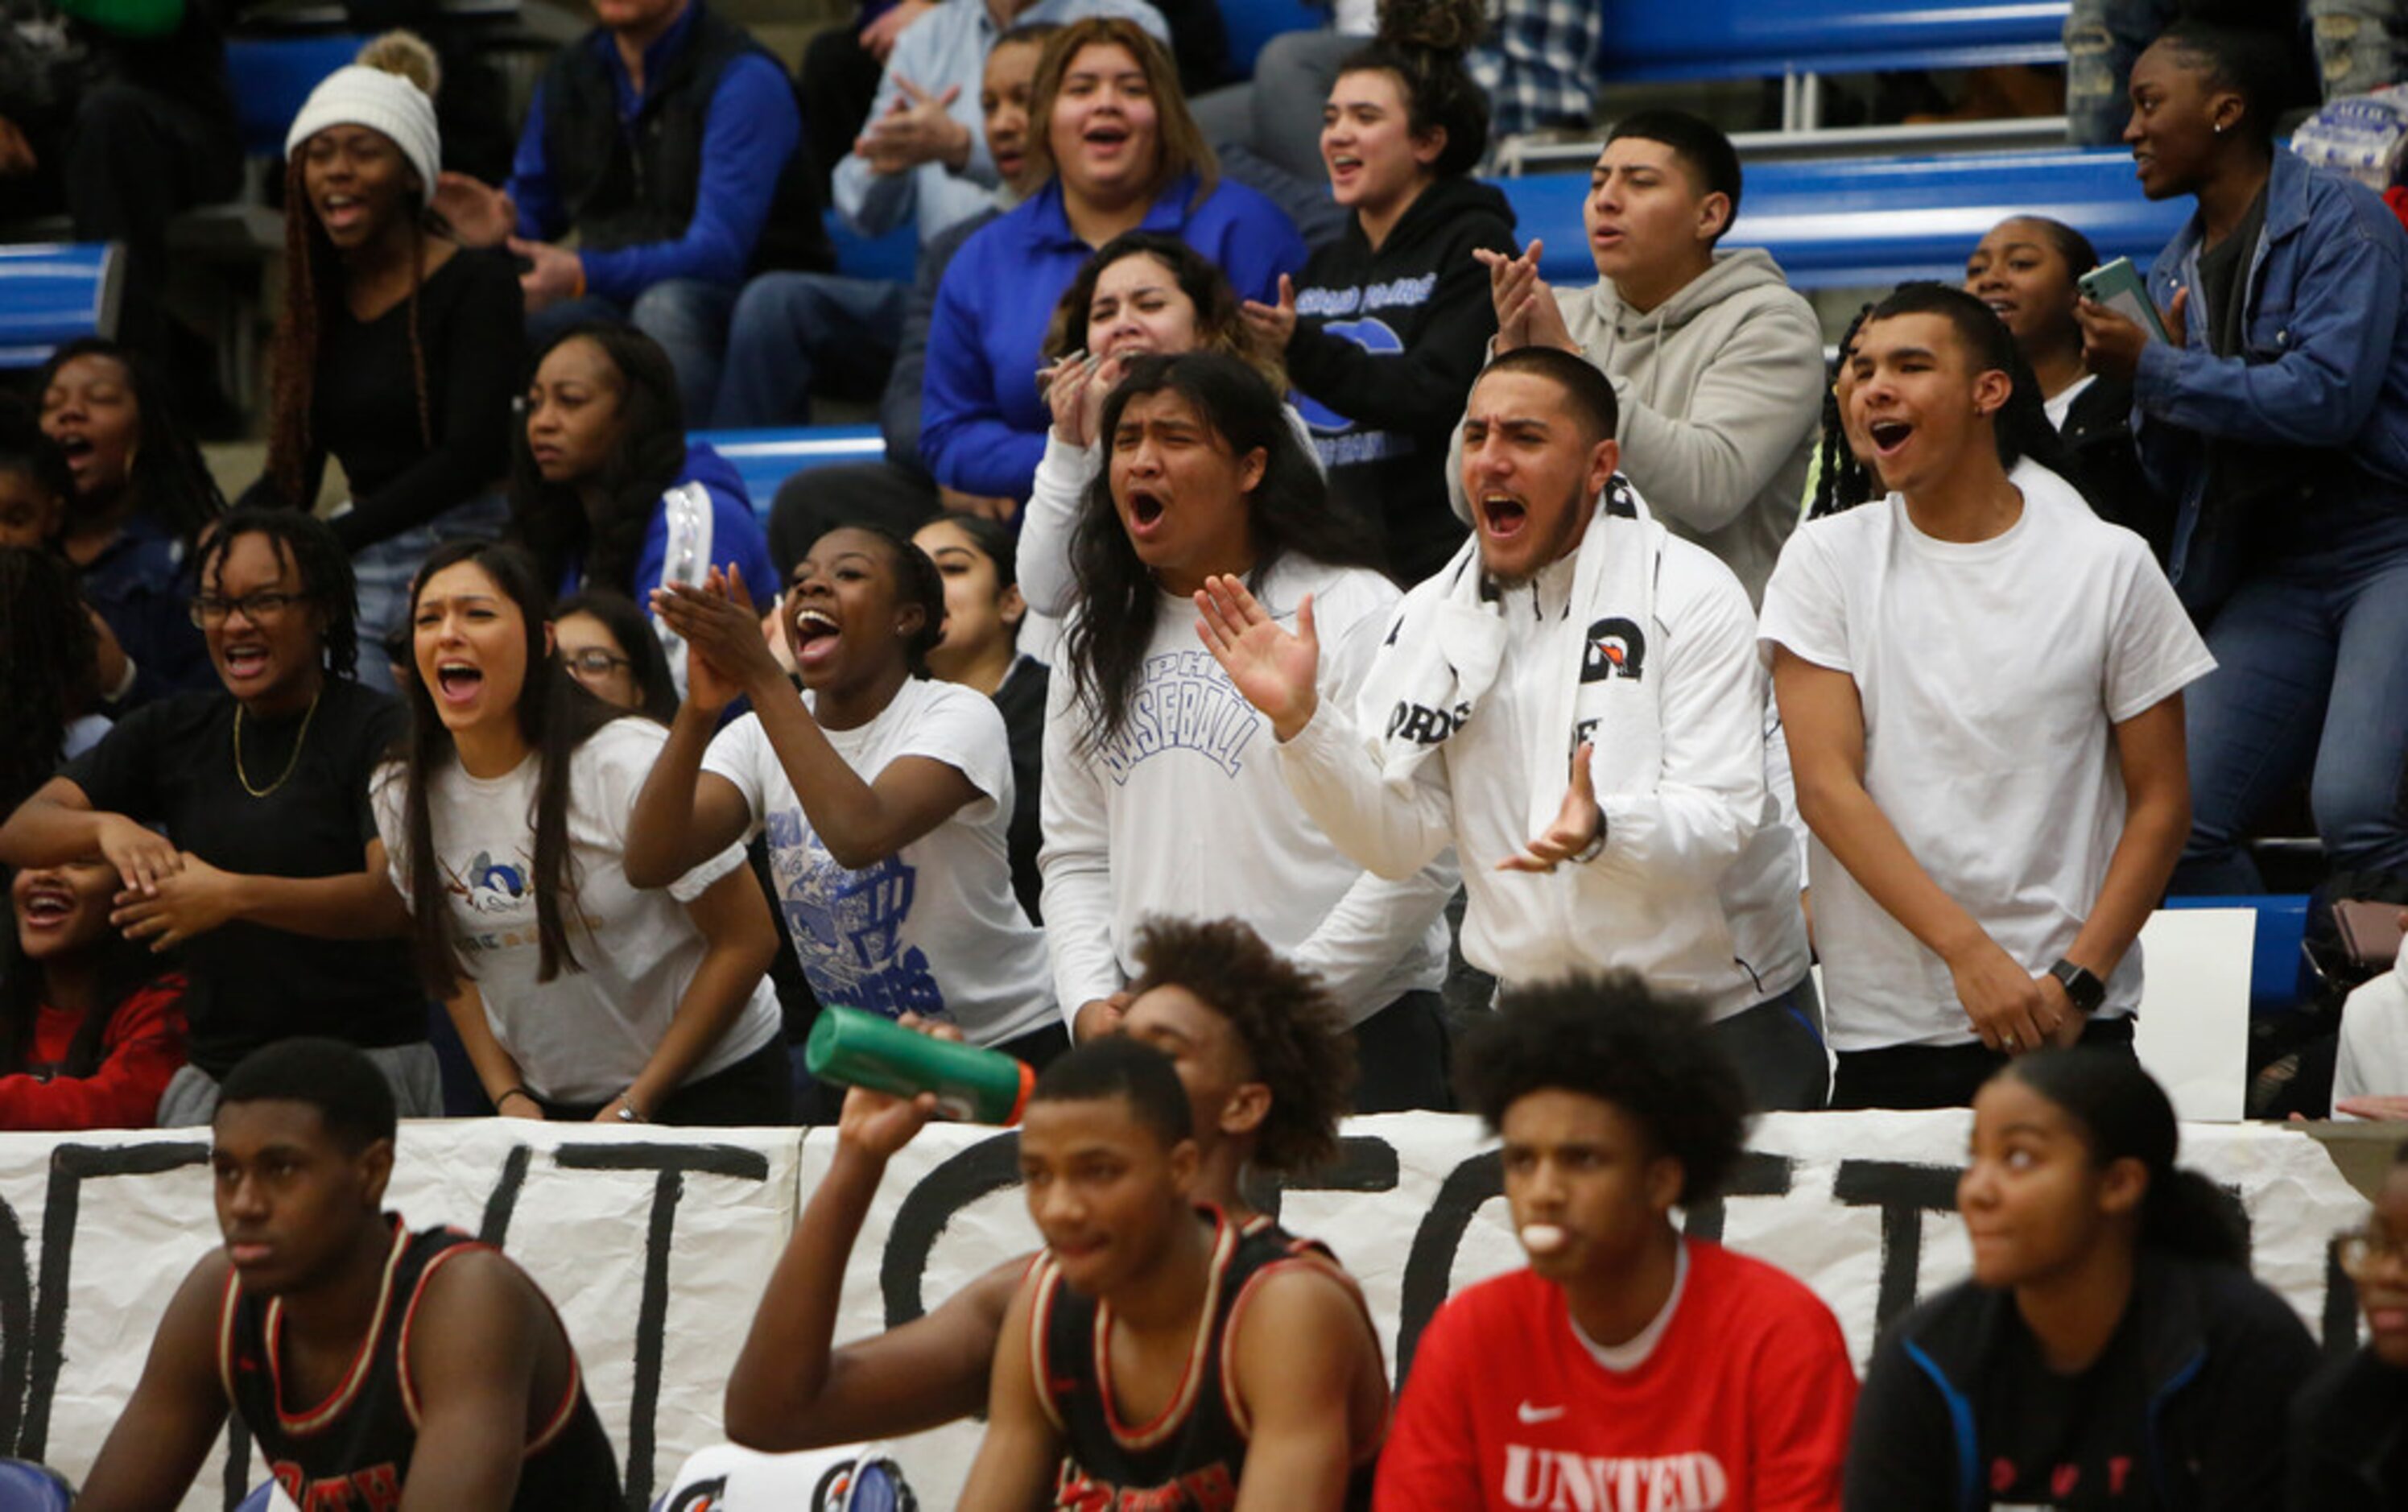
2118	286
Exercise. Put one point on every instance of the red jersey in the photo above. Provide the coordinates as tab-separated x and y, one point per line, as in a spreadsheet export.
140	1053
1742	1405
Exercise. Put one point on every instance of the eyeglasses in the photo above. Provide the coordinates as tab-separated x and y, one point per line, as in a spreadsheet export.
259	608
593	661
2362	1250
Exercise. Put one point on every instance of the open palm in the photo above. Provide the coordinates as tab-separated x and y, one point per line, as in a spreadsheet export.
1273	668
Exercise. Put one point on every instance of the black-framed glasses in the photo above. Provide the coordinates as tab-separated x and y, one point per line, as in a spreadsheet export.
593	661
2362	1251
259	608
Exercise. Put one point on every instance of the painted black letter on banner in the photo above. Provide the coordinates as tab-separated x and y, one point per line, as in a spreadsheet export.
652	1316
1364	1164
1755	1175
1904	1192
1429	1269
990	1165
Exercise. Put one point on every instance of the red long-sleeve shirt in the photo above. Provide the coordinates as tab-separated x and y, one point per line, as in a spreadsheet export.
140	1052
1744	1402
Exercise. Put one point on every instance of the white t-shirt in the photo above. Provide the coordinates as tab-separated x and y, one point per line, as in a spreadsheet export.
585	1034
934	928
2373	1058
2062	406
1991	675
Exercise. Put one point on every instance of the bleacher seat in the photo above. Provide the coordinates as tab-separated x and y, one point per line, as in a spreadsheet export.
1852	223
1251	23
893	257
272	77
2280	978
767	458
1648	40
52	292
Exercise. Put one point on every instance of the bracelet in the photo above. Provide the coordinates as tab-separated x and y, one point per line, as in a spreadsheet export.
628	1112
515	1090
1596	846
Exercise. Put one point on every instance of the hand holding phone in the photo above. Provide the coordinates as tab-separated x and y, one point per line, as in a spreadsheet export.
2118	287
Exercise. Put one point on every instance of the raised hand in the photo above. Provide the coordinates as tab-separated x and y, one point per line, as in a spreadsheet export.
722	635
1273	325
557	274
916	129
1067	385
878	1123
1510	282
1273	668
1577	826
480	215
143	859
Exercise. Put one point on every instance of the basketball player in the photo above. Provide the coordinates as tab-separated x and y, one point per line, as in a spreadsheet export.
1264	1055
375	1367
1628	1367
1157	1355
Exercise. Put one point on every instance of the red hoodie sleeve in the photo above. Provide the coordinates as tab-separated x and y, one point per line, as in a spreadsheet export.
1431	1462
144	1047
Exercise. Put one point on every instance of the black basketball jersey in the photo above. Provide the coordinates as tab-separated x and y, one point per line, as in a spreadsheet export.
1193	1455
351	1452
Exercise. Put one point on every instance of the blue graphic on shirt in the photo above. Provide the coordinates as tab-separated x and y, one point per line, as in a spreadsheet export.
1373	335
848	926
495	886
1184	702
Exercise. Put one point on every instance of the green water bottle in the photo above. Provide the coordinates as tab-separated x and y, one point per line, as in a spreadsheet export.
864	1049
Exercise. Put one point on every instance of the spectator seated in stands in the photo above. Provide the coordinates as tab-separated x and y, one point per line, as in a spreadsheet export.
1143	294
984	613
2360	45
2371	1072
605	489
795	332
1572	632
609	644
143	497
1110	125
1991	830
605	1001
92	1023
886	796
121	117
2026	270
34	482
1148	746
2111	1331
1384	331
271	885
399	349
922	158
1717	362
2276	418
666	140
2348	1446
49	671
1662	1360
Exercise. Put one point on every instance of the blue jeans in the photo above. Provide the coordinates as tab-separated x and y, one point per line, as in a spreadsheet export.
2311	680
688	317
384	569
792	331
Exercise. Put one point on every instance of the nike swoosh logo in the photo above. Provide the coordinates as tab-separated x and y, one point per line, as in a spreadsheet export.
1529	1414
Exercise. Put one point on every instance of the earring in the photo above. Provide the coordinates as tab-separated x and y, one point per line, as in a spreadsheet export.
2219	128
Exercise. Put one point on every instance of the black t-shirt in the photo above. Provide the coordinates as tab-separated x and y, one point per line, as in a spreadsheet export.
2068	1443
2349	1437
172	763
2224	279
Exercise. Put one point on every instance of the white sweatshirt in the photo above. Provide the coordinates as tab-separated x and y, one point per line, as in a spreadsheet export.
1184	814
1697	888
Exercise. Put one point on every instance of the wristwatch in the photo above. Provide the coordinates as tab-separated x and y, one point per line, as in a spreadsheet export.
1596	846
2082	985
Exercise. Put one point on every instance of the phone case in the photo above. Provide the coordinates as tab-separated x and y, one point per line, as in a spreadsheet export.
2119	287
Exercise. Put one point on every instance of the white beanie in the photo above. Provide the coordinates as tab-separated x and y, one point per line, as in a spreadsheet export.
382	102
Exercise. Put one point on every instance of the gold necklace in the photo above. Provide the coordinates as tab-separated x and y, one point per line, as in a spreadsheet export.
243	777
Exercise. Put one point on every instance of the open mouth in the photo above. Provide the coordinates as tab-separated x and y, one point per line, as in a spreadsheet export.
1146	509
2001	308
48	907
341	211
246	661
1107	135
1889	435
1502	516
1007	161
1344	163
816	635
457	681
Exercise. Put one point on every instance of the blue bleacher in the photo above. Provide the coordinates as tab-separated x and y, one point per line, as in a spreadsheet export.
52	292
1649	41
1250	24
767	458
272	77
1852	223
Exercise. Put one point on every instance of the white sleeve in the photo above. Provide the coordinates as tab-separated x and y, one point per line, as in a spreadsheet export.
735	754
1377	924
1334	772
962	727
2156	652
1076	860
607	772
2374	1052
874	203
388	796
1804	608
1044	561
1709	796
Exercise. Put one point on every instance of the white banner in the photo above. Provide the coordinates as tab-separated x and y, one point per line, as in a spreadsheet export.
654	1244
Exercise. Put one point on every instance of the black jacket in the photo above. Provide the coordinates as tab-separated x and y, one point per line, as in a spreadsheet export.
2220	1351
1386	346
2349	1438
2104	465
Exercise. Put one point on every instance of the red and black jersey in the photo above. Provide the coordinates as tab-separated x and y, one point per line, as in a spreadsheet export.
351	1452
1193	1455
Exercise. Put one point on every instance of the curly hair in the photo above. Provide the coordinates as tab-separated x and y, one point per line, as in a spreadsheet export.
169	479
48	673
549	519
1613	1038
317	557
1220	325
1292	1028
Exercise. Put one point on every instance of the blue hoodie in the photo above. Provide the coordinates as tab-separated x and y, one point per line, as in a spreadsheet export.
736	538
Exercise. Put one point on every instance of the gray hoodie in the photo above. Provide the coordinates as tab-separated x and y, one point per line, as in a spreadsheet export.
1721	392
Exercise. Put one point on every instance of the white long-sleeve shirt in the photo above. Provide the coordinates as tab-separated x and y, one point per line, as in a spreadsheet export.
1184	814
1696	886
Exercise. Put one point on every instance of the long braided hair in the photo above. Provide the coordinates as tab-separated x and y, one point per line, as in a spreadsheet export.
1841	482
313	286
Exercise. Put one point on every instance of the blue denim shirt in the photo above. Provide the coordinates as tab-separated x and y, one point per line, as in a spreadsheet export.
2323	358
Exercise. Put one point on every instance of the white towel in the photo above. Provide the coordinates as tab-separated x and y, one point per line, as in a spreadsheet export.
1442	655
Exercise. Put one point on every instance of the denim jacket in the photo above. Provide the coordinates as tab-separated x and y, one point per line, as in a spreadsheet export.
2324	365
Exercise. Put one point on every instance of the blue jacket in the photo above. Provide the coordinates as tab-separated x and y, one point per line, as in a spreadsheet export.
2324	366
141	586
983	421
736	538
2221	1354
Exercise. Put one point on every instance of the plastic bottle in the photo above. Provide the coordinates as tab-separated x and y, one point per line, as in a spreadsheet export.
864	1049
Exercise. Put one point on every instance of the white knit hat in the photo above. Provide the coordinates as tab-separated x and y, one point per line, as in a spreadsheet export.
382	102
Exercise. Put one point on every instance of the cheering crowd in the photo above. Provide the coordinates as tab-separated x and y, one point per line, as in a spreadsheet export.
1244	621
